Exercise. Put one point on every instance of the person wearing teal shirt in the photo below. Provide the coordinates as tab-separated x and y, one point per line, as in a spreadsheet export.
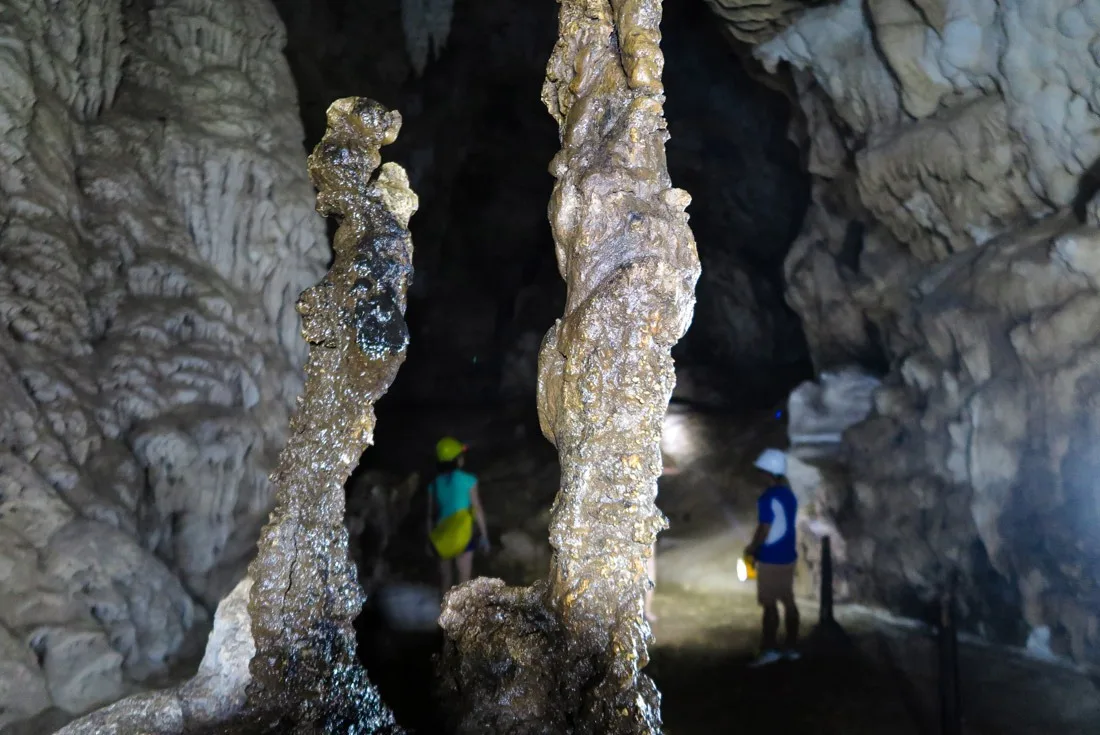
453	491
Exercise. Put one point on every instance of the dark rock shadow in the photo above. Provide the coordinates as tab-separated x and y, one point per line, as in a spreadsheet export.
1087	187
707	691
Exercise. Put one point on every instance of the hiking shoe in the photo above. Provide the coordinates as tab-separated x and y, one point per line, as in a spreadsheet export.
765	658
792	655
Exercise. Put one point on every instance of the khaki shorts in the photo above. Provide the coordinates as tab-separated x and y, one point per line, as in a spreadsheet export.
774	583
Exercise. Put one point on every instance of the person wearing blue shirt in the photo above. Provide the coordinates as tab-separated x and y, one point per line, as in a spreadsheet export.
775	553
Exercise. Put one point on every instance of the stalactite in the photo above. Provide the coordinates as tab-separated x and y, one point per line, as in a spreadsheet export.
427	24
567	655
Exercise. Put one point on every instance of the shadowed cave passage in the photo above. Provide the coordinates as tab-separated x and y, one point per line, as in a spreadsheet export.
708	627
476	142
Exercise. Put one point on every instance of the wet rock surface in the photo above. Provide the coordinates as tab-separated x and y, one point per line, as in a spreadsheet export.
566	655
156	227
306	596
948	247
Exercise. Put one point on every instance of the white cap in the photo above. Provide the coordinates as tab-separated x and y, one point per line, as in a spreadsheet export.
773	461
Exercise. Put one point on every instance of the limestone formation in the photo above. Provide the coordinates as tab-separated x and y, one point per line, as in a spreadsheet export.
950	243
282	655
566	656
216	694
819	412
426	23
306	595
753	21
156	226
818	415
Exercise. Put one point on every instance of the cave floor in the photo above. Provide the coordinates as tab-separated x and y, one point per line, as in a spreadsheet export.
704	644
886	680
708	627
707	633
884	683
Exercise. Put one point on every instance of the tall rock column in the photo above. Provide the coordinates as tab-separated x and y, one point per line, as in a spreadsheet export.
605	378
605	370
305	595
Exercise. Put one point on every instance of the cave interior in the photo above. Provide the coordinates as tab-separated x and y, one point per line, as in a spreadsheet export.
894	226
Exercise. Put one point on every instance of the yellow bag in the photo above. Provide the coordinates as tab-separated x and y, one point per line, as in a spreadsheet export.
451	537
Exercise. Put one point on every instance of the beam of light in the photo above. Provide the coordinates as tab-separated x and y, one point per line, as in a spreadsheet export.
742	571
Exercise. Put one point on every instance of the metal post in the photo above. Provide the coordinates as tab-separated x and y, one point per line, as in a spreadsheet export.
828	637
826	615
950	698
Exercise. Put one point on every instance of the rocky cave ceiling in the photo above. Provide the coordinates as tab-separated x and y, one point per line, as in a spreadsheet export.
936	174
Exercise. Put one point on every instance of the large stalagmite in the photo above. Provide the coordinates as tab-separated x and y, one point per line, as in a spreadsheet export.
306	594
303	675
567	656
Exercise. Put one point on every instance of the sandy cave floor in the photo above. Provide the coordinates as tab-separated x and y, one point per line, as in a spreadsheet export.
708	625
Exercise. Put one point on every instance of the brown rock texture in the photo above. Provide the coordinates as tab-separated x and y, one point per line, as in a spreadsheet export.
567	655
306	594
951	244
156	227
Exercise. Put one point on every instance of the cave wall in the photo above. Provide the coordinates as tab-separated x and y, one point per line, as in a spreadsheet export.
952	242
157	227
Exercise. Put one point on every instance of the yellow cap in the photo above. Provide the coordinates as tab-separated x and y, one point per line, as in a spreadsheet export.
448	448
